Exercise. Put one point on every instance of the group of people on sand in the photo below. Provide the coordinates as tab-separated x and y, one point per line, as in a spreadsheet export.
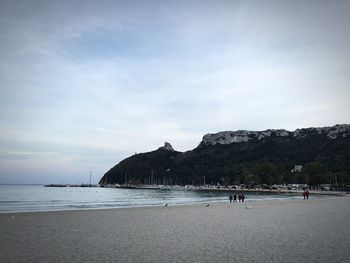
241	197
233	198
306	194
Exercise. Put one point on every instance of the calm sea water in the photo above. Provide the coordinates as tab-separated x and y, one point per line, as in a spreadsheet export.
22	198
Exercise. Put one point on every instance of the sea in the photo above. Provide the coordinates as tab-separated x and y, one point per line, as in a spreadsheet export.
29	198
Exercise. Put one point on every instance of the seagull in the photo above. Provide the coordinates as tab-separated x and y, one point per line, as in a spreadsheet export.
166	205
207	205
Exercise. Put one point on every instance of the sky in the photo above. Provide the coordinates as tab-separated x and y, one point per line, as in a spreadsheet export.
85	84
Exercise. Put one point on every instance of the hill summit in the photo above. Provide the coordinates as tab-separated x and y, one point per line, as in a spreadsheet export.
167	146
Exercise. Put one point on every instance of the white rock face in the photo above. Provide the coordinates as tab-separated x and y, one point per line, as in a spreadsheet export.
228	137
333	132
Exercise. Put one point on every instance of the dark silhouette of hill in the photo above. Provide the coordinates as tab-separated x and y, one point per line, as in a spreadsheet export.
245	157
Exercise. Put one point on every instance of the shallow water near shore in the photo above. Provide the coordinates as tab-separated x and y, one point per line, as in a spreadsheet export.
26	198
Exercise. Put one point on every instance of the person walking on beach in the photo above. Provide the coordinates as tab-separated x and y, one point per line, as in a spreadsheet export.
243	197
307	194
235	198
230	197
239	198
304	194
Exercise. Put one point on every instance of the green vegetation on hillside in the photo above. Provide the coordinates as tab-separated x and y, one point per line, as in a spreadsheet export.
256	162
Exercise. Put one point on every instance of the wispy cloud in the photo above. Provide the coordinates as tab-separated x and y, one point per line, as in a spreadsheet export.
87	83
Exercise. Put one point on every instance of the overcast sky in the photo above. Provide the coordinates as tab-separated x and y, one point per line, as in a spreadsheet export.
85	84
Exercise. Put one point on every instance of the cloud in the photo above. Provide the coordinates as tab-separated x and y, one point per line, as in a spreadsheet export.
89	83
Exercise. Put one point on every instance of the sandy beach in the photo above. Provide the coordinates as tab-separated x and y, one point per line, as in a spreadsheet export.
276	231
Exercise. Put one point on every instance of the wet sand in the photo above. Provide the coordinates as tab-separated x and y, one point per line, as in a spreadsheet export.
274	231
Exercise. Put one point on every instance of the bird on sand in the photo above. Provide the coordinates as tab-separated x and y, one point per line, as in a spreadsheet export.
207	205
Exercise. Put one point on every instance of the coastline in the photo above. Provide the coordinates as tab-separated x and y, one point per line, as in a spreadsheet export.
270	196
19	199
225	189
268	191
272	231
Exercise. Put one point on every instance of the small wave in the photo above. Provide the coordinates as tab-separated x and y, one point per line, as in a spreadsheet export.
44	199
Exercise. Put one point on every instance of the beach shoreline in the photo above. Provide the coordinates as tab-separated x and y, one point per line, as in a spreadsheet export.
194	205
313	194
314	230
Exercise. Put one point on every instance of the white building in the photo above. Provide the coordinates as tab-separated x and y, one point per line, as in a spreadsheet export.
297	168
